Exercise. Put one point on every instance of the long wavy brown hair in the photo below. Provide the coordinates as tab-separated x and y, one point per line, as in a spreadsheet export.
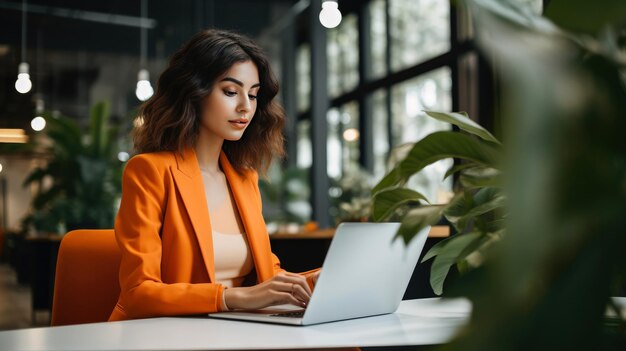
171	117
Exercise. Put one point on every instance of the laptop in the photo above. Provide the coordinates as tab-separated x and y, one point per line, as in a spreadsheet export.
365	273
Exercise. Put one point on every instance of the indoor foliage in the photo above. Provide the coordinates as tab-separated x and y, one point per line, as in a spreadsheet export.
477	209
82	175
548	282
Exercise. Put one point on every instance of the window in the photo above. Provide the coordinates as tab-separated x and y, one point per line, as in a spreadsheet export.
419	30
343	139
305	149
343	56
380	132
412	63
378	38
303	73
430	91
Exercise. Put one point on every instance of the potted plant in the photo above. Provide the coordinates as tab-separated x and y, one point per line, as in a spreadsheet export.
547	281
476	210
82	172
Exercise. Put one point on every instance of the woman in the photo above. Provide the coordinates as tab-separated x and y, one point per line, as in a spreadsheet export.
190	227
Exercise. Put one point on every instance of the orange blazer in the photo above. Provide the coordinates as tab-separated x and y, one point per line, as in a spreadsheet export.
164	234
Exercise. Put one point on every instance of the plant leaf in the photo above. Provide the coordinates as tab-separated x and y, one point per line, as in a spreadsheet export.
418	218
434	251
495	203
458	168
99	133
586	16
480	177
391	179
447	144
438	146
448	255
458	206
461	120
386	201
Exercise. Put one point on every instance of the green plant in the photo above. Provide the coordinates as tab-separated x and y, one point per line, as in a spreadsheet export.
78	185
285	195
350	196
547	284
476	211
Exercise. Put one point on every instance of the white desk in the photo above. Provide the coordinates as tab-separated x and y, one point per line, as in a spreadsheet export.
417	322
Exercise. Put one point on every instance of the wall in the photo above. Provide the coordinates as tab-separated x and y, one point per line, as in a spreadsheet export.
14	170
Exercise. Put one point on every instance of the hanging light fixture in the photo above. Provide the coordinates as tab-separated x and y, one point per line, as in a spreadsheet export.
144	90
38	123
330	16
23	83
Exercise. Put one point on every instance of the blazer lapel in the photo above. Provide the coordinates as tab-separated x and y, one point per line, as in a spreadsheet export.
244	193
188	180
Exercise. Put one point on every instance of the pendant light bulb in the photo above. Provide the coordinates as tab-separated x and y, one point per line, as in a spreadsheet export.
330	16
144	90
39	122
23	83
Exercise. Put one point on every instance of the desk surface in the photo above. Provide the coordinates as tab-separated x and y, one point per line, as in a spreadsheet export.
437	231
416	322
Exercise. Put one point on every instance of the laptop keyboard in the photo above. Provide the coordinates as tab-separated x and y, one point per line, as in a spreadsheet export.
298	314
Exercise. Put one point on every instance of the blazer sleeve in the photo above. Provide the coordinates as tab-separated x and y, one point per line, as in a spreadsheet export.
137	229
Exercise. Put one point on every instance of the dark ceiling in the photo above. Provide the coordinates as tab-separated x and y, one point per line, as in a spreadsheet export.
54	29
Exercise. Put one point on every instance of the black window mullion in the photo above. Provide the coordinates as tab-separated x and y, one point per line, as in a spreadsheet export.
289	95
388	71
366	142
319	126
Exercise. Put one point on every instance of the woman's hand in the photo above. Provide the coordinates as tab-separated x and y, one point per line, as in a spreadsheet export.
284	288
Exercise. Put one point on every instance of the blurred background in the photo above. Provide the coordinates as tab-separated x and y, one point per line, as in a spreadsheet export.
352	95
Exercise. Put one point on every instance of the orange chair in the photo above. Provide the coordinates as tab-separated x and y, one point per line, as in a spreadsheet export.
86	285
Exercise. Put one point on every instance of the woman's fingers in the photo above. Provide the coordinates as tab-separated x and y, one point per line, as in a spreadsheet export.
284	288
294	289
297	279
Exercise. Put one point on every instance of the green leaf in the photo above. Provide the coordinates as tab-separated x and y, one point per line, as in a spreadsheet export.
385	202
458	206
586	16
485	195
36	175
441	145
390	180
434	251
458	168
417	219
461	120
99	132
448	255
495	203
479	177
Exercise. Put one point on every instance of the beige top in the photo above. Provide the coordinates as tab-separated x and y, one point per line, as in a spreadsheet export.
232	256
233	261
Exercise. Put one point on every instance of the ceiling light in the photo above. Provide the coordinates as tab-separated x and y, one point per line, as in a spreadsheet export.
144	90
23	83
38	123
330	16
